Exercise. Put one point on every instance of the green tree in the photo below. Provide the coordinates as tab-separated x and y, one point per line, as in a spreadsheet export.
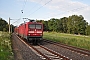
3	25
50	23
88	30
63	24
53	24
45	25
76	24
73	24
69	25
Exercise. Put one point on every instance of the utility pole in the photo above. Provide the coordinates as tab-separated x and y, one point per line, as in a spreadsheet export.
9	25
11	28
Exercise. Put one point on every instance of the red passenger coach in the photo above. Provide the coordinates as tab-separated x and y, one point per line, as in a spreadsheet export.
16	30
31	31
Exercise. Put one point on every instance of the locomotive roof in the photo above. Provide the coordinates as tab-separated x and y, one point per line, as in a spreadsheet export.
29	23
35	22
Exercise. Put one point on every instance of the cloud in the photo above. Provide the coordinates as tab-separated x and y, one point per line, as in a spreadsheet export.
60	4
66	8
86	13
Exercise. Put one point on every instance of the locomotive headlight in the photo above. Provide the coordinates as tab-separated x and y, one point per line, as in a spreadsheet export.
28	34
35	29
40	34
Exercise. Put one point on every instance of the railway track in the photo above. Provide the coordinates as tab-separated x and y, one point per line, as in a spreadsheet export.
51	51
45	53
74	49
22	51
48	54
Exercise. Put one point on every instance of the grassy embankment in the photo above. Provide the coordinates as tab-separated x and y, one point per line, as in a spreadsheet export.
5	46
70	39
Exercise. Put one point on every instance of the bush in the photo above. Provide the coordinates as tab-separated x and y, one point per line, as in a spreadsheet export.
5	47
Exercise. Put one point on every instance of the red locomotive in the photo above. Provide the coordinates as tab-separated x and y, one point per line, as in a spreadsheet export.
31	31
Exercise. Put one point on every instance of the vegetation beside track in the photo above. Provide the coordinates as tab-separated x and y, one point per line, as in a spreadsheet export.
80	41
5	46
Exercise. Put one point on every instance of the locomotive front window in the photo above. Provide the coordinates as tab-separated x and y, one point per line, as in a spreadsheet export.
32	26
38	26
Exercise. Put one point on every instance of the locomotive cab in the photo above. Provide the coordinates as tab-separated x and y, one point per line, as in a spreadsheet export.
31	31
35	32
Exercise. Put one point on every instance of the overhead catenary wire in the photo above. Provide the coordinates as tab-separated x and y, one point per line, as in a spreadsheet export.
75	9
22	10
34	6
69	5
40	7
23	7
15	21
58	13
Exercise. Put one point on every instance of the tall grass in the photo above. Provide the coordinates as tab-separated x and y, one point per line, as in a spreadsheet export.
70	39
5	46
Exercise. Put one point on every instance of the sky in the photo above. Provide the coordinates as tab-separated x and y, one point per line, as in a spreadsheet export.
42	9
